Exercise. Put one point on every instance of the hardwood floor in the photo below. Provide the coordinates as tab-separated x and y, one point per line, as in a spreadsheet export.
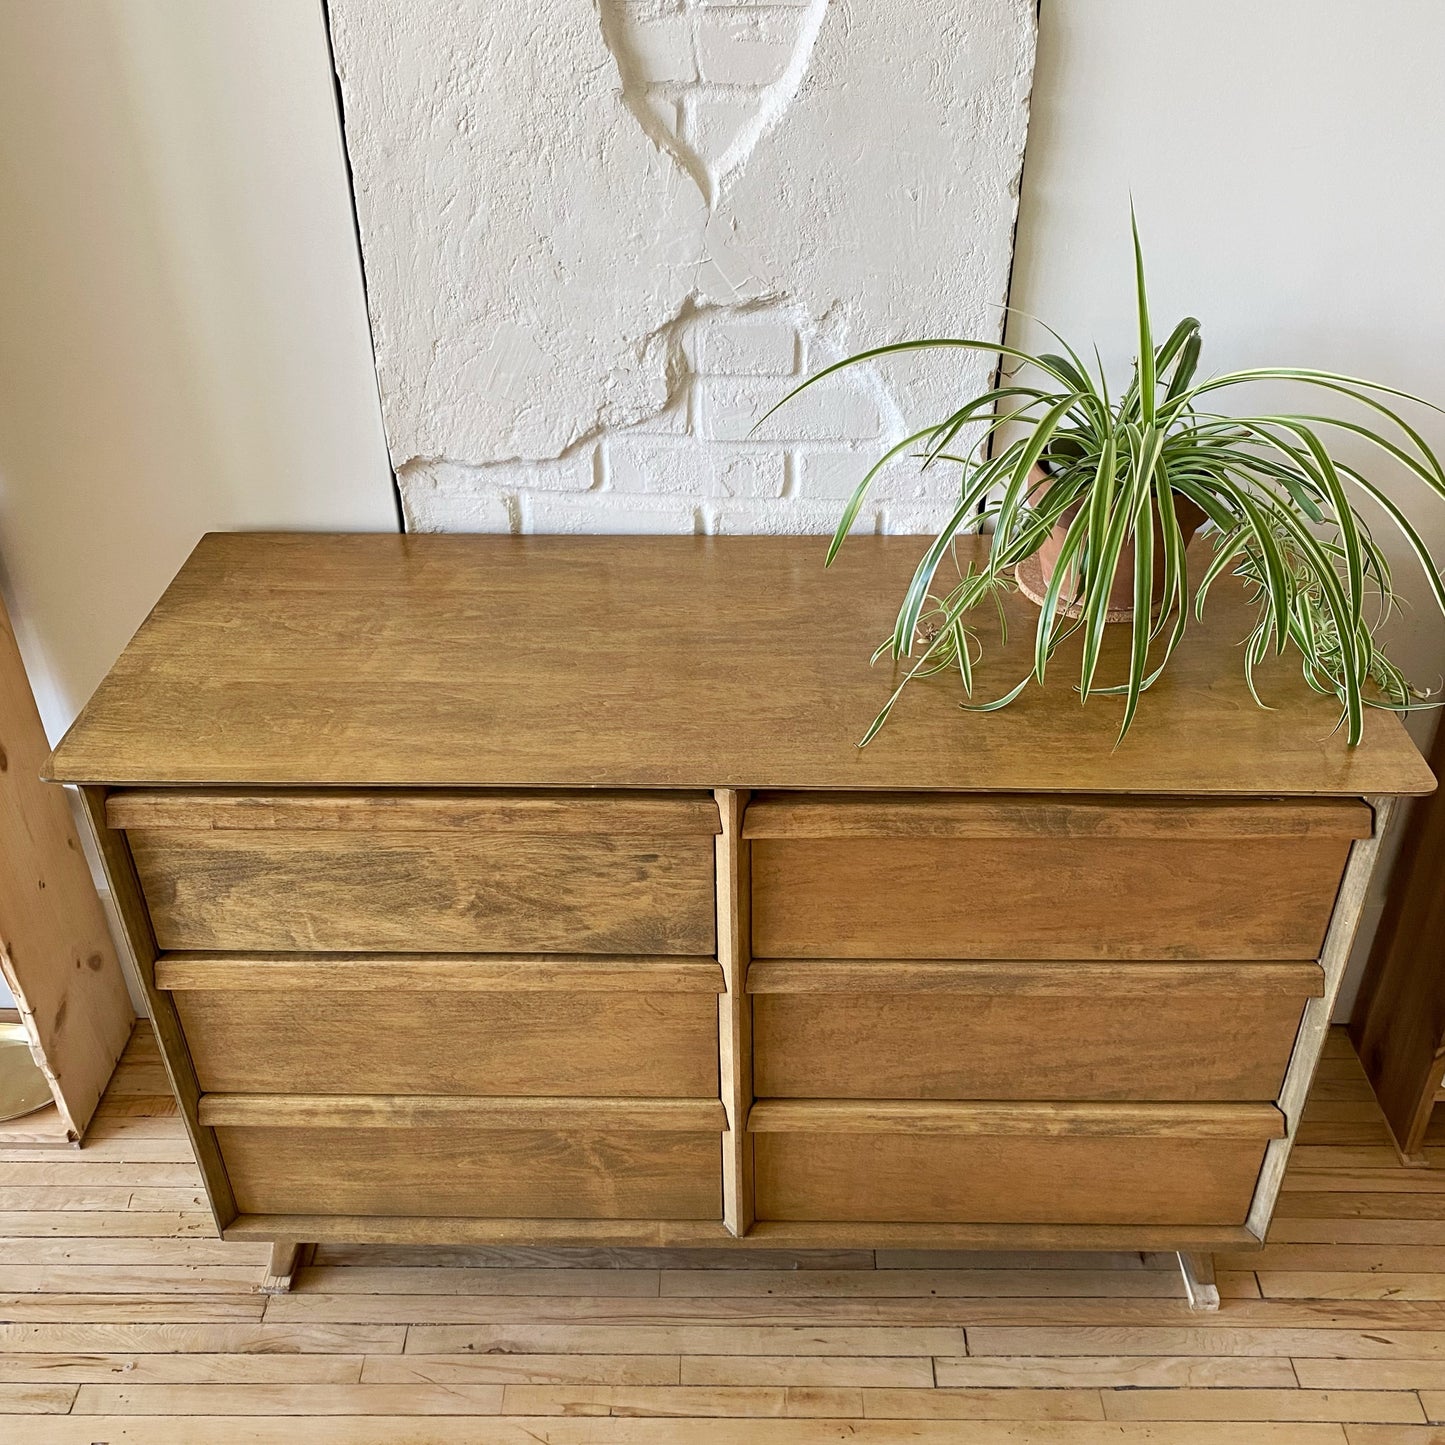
122	1319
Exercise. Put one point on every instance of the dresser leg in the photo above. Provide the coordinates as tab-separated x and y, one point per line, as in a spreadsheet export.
287	1256
1198	1272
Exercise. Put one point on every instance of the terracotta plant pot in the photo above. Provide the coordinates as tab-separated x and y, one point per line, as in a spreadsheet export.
1035	573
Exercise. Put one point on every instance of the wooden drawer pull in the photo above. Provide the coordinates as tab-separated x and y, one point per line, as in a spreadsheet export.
922	815
440	973
654	814
1191	1121
1044	978
420	1111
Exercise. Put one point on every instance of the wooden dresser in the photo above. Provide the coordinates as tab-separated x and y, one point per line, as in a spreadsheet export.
535	890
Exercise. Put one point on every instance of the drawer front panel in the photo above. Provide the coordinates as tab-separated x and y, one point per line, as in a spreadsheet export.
476	1173
541	1042
900	1178
1078	897
413	890
1039	1031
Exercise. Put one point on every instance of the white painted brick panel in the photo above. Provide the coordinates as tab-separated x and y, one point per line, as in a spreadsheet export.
429	505
605	239
692	468
747	348
836	474
607	514
834	410
785	517
916	518
664	46
747	46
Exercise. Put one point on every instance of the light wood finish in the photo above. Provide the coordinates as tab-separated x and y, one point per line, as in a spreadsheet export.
1026	1031
447	973
511	1173
130	904
413	1111
1036	1121
443	834
923	815
904	897
298	1041
773	1238
1399	1018
287	1257
1315	1026
1200	1282
412	891
56	954
658	633
941	1177
1030	978
735	1012
648	815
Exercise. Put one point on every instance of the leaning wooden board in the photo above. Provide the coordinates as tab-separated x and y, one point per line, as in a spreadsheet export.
535	889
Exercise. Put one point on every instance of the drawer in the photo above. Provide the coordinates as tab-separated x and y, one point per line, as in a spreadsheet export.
341	1024
1025	1030
988	877
1161	1164
521	1160
479	872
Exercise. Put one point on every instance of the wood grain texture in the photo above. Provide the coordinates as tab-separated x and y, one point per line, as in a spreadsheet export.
56	955
423	892
650	815
925	815
734	1011
314	1041
514	1173
922	1178
1061	898
1315	1026
1022	1120
446	973
474	1231
1399	1018
1032	978
421	1111
688	662
1088	1045
130	905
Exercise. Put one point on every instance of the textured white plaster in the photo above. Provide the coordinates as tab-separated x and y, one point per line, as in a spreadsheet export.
603	237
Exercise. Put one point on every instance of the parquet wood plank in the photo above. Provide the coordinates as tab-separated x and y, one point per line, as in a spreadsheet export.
1227	1372
807	1371
179	1369
203	1339
35	1400
688	1339
522	1369
1366	1344
1378	1406
197	1401
153	1279
622	1430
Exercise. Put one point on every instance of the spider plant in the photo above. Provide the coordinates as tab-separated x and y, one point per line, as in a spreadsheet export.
1114	468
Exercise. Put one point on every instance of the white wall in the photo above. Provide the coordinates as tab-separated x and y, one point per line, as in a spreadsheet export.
603	237
1286	162
183	338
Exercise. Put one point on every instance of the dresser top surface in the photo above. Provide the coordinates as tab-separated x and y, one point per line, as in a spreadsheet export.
289	660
